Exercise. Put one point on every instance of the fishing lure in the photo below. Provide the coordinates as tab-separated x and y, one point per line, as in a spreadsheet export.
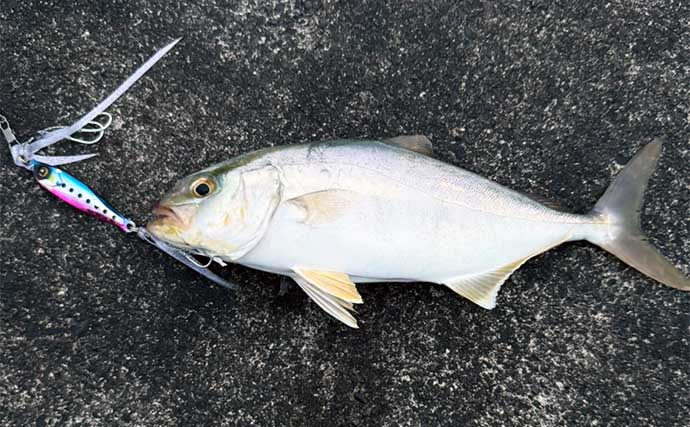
79	195
74	192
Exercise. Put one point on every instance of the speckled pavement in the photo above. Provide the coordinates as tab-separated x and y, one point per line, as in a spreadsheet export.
100	329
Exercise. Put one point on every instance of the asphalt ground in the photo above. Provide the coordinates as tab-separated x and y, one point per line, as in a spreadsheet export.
98	328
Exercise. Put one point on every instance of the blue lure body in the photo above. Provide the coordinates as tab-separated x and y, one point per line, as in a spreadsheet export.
77	194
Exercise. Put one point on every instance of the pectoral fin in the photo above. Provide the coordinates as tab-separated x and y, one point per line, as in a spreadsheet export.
482	288
324	206
417	143
336	307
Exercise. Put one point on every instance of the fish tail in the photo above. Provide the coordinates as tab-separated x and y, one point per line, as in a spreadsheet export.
619	208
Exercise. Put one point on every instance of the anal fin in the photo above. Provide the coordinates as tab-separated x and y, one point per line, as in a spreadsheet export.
482	288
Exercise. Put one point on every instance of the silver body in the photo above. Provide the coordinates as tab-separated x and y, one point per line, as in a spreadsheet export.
332	214
408	217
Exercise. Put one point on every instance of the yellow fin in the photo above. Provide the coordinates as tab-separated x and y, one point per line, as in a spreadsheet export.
337	284
417	143
332	305
324	206
482	288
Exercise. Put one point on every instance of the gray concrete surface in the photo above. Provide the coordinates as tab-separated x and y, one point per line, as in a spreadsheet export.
97	328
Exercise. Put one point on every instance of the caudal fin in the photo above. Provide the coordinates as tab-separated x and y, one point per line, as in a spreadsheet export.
620	206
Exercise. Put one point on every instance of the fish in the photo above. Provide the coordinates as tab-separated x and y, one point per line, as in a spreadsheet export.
334	214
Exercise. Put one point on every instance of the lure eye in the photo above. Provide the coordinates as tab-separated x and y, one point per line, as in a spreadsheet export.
42	172
202	187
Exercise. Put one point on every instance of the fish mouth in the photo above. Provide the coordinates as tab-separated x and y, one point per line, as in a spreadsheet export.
167	224
167	215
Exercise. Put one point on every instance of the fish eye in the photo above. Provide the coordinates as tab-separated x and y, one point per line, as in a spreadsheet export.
202	187
42	172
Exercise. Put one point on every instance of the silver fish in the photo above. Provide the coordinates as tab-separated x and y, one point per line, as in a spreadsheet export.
332	214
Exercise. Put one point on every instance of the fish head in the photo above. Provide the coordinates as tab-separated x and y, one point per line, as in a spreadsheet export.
220	211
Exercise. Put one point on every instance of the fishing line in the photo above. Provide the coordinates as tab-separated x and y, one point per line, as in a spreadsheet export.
90	129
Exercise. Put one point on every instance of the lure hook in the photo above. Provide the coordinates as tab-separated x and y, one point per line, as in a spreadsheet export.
93	127
78	194
196	262
185	258
24	153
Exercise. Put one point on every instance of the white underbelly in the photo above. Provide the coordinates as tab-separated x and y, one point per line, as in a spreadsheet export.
397	238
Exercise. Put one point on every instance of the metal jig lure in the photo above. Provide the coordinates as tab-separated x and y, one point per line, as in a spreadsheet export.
74	192
77	194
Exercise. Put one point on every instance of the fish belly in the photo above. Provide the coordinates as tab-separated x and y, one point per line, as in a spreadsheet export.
398	234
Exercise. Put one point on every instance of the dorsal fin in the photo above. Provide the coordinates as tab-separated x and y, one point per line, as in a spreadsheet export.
545	201
417	143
